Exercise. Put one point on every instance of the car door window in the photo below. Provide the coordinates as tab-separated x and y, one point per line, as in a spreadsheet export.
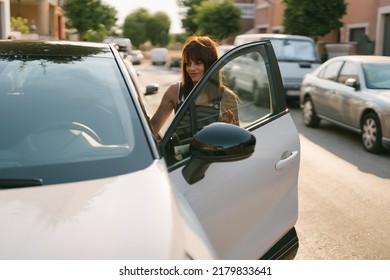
348	71
331	71
236	201
237	92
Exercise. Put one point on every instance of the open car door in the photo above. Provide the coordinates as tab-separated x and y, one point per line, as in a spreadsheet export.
239	180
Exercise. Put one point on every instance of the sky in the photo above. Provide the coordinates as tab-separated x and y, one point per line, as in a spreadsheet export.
170	7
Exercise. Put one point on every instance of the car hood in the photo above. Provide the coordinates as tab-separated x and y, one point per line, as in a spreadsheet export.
385	93
134	216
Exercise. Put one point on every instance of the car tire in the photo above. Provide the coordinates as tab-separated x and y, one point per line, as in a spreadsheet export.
371	133
309	114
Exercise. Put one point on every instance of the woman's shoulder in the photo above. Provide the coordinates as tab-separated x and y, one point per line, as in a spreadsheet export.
174	87
173	90
171	93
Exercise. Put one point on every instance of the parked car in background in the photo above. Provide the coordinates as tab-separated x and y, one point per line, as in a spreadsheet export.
136	57
353	92
247	76
123	45
82	177
297	55
222	49
159	56
175	63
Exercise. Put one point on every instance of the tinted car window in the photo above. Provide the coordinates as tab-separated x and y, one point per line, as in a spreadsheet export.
294	50
69	118
377	75
331	71
241	86
348	71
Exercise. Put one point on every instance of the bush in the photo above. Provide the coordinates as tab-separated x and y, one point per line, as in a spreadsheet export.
20	24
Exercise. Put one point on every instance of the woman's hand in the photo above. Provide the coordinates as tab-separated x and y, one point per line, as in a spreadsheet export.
228	117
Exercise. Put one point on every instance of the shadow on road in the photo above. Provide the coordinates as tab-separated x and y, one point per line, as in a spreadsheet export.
344	144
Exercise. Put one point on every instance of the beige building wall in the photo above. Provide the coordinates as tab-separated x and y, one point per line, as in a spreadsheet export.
269	16
5	19
366	26
47	15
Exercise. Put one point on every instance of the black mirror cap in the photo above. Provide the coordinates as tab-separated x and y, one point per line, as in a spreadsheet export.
217	142
220	142
151	89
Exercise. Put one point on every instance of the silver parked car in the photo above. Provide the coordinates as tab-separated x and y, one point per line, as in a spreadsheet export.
136	57
353	92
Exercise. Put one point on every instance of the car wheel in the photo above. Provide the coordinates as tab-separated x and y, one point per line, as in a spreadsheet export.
371	133
310	117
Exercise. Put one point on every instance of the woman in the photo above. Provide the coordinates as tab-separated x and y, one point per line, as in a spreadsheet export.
198	54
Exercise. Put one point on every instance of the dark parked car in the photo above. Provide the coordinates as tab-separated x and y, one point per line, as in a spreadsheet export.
82	177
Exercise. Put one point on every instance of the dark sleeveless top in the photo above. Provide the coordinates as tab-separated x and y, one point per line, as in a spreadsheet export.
204	114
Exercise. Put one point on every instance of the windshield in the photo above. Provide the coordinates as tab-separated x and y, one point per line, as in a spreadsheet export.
377	75
294	50
67	119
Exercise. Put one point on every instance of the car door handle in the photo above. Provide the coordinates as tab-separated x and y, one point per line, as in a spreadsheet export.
286	159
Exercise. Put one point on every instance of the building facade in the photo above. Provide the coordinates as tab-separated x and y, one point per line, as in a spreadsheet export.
247	14
368	32
46	17
5	19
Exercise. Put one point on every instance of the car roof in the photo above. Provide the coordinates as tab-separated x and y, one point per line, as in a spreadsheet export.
363	58
275	36
53	48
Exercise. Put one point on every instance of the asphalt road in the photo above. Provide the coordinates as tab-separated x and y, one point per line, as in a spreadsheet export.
344	196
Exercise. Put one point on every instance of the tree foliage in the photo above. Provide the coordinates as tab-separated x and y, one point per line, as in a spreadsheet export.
313	17
134	26
158	29
189	23
218	19
140	26
89	15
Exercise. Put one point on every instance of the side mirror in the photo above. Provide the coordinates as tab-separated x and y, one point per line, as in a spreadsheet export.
352	83
217	142
151	89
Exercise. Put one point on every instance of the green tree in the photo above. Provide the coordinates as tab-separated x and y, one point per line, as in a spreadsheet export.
158	29
313	18
189	23
140	26
218	19
134	26
89	15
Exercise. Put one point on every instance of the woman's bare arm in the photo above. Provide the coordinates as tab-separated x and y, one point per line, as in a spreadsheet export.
167	105
229	104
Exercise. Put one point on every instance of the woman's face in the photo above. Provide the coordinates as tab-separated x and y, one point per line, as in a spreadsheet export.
195	69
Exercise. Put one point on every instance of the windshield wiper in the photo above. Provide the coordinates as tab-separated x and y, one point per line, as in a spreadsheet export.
20	183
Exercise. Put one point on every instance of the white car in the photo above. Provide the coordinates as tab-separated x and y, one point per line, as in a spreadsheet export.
136	57
297	55
81	176
159	56
247	76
